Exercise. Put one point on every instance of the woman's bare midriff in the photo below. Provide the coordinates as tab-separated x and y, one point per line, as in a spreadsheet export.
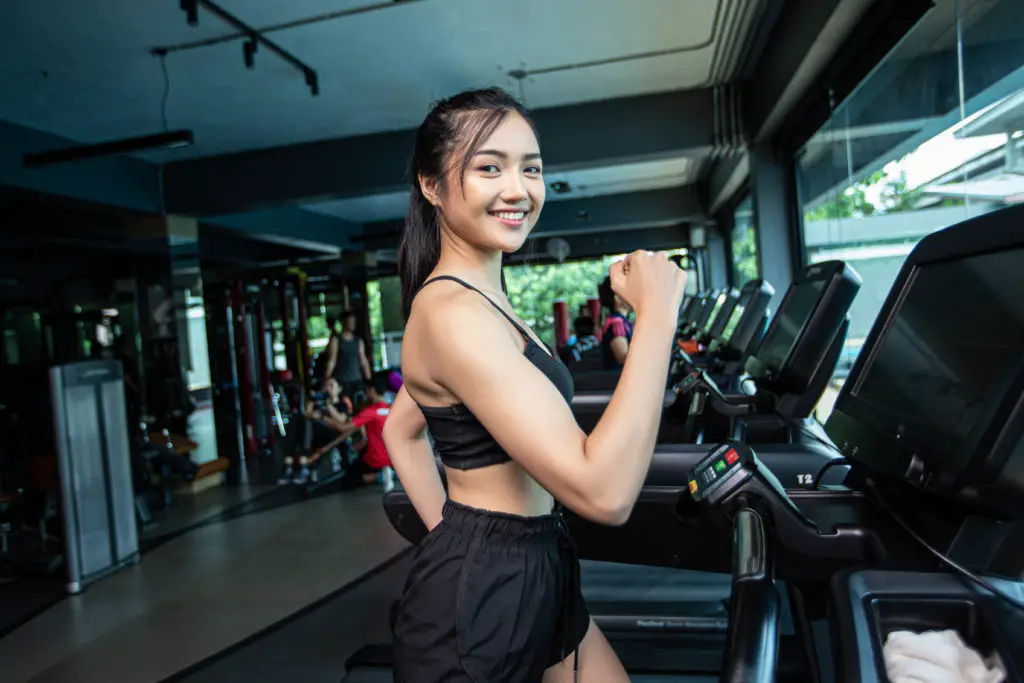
500	488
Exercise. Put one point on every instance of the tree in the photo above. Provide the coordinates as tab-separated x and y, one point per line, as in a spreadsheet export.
533	289
893	197
744	256
852	202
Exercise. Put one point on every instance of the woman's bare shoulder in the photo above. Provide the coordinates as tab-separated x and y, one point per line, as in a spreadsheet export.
449	318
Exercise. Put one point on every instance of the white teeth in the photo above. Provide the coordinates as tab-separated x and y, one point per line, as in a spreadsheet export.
510	216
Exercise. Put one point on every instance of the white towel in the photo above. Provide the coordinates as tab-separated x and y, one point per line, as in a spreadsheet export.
936	657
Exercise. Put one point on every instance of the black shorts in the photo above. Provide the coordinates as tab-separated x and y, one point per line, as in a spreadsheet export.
490	598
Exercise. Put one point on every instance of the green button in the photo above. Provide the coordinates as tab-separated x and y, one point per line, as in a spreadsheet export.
720	466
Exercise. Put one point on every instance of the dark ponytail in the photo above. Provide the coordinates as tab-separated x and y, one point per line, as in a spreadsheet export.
461	123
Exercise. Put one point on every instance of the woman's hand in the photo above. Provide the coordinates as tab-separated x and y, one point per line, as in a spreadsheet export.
650	283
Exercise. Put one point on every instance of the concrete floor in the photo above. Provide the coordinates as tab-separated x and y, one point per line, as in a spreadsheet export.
202	592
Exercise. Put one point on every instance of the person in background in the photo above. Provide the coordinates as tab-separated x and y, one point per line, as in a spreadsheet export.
317	428
394	385
582	340
618	331
346	357
374	460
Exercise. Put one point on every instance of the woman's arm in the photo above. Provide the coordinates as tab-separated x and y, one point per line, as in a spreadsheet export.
598	476
405	437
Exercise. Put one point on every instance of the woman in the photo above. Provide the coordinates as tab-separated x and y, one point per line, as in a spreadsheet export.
346	357
617	331
493	592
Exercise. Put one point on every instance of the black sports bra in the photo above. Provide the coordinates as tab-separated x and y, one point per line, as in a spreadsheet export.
460	440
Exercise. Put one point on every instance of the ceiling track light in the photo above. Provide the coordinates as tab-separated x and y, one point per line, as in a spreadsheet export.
168	140
252	43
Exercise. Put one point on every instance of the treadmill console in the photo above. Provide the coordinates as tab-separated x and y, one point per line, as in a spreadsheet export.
731	477
936	397
800	336
746	324
729	469
715	326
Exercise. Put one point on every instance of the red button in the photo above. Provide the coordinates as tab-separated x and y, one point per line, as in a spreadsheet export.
731	456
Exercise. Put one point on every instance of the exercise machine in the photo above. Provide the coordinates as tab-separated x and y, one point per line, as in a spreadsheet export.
786	375
932	421
734	336
928	436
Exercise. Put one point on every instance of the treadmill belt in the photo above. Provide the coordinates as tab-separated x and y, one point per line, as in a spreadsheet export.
614	582
386	676
313	646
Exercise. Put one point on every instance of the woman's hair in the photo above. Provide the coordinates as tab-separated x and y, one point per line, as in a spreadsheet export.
606	294
446	142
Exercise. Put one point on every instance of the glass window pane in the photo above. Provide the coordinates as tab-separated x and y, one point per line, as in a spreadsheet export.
932	137
745	262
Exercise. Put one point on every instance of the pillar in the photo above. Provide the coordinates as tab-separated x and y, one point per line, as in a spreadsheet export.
776	218
717	259
594	306
561	313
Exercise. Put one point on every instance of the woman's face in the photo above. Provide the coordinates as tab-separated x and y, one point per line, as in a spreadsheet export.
502	190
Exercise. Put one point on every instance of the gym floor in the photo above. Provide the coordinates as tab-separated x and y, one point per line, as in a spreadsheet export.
174	616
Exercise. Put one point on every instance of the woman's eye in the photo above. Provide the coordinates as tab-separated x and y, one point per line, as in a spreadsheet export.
489	168
534	170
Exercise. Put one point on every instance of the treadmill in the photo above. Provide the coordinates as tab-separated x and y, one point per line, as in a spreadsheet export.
742	315
734	335
924	533
663	607
784	378
703	311
947	470
700	312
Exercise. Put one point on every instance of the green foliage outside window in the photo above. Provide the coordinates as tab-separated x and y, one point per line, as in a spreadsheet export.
532	291
744	256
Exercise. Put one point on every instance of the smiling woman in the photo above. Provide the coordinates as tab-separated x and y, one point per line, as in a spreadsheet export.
493	593
455	131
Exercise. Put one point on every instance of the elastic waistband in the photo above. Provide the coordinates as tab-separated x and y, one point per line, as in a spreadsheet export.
502	524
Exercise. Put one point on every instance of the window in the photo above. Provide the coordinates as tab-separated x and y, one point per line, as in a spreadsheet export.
533	289
931	138
746	265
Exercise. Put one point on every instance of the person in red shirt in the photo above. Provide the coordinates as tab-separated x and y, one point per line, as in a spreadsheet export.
374	459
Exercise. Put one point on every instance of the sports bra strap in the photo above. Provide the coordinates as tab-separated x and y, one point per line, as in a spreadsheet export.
486	298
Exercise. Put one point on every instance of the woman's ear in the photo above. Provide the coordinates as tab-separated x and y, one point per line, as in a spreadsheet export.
429	188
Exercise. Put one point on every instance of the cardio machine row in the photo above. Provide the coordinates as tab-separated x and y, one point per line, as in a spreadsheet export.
728	328
915	470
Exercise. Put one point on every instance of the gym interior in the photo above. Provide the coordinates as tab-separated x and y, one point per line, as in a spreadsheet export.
840	460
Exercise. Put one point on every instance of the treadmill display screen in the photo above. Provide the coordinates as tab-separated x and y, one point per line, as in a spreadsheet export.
789	322
734	318
953	346
714	311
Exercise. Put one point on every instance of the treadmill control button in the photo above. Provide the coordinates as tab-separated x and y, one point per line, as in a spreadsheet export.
693	487
731	456
720	466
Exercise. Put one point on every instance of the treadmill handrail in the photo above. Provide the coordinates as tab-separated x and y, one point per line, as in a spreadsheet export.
752	642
